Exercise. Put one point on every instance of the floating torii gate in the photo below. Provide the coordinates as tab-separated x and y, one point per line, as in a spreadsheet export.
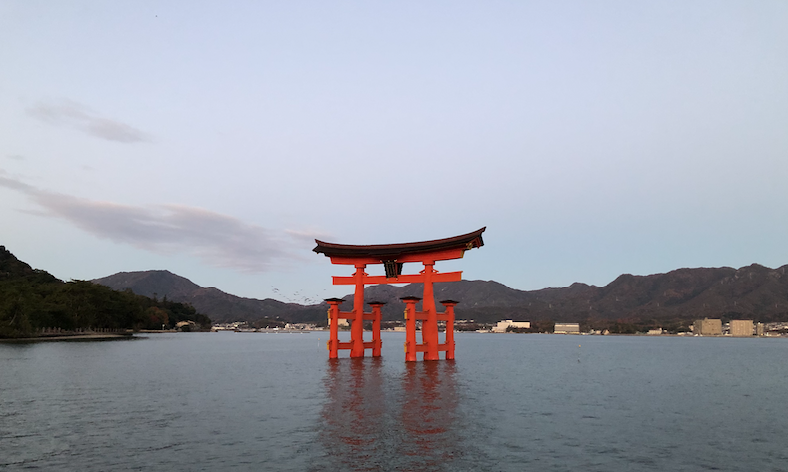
393	256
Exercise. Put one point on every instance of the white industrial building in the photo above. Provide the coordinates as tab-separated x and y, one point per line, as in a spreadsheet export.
567	328
503	325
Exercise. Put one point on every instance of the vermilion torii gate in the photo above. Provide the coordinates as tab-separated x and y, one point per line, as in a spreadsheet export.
393	256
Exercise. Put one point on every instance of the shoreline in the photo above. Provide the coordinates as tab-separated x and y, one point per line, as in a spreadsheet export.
72	337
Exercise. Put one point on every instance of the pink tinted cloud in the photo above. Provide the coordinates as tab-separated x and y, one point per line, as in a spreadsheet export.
219	240
74	115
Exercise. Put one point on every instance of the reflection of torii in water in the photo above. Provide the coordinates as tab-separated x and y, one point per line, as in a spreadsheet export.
372	420
393	256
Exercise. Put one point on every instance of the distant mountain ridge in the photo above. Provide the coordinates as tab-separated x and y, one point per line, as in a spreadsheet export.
751	292
224	306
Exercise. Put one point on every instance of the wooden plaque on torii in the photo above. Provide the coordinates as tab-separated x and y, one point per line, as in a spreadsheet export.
393	257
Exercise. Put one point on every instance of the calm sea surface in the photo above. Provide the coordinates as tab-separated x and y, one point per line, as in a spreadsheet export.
237	401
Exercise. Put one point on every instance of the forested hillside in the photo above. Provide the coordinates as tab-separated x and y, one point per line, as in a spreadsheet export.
32	300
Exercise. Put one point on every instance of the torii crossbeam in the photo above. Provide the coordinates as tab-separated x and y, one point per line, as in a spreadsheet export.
393	257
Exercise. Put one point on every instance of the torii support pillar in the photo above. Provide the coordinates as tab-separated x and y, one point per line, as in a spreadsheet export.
333	327
449	304
410	328
393	257
356	336
377	315
428	323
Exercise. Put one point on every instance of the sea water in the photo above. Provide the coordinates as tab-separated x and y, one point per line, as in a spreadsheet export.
509	402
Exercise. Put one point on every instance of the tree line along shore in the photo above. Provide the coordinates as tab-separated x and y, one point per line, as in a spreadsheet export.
35	304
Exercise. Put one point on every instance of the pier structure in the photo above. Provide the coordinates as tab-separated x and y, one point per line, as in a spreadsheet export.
394	257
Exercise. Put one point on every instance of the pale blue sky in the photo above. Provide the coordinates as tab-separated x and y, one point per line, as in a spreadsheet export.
217	139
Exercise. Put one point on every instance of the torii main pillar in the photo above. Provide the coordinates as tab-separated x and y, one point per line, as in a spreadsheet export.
393	257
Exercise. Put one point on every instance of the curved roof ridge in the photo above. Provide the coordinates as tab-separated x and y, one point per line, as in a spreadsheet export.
392	251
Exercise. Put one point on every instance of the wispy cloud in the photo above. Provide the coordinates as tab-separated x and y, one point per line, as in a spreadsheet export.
16	157
74	115
219	240
14	184
307	236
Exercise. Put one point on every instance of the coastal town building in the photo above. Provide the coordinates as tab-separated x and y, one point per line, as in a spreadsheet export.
301	326
502	326
567	328
742	327
707	327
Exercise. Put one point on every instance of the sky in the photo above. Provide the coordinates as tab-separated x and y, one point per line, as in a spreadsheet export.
217	140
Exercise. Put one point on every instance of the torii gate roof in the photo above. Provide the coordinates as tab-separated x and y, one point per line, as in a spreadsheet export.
393	252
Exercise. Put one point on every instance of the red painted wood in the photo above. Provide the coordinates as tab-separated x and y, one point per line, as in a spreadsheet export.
426	253
402	279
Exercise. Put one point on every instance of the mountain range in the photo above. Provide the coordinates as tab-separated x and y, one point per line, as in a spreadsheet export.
674	298
227	307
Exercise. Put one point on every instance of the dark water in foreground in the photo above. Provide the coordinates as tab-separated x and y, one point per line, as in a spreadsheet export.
232	401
